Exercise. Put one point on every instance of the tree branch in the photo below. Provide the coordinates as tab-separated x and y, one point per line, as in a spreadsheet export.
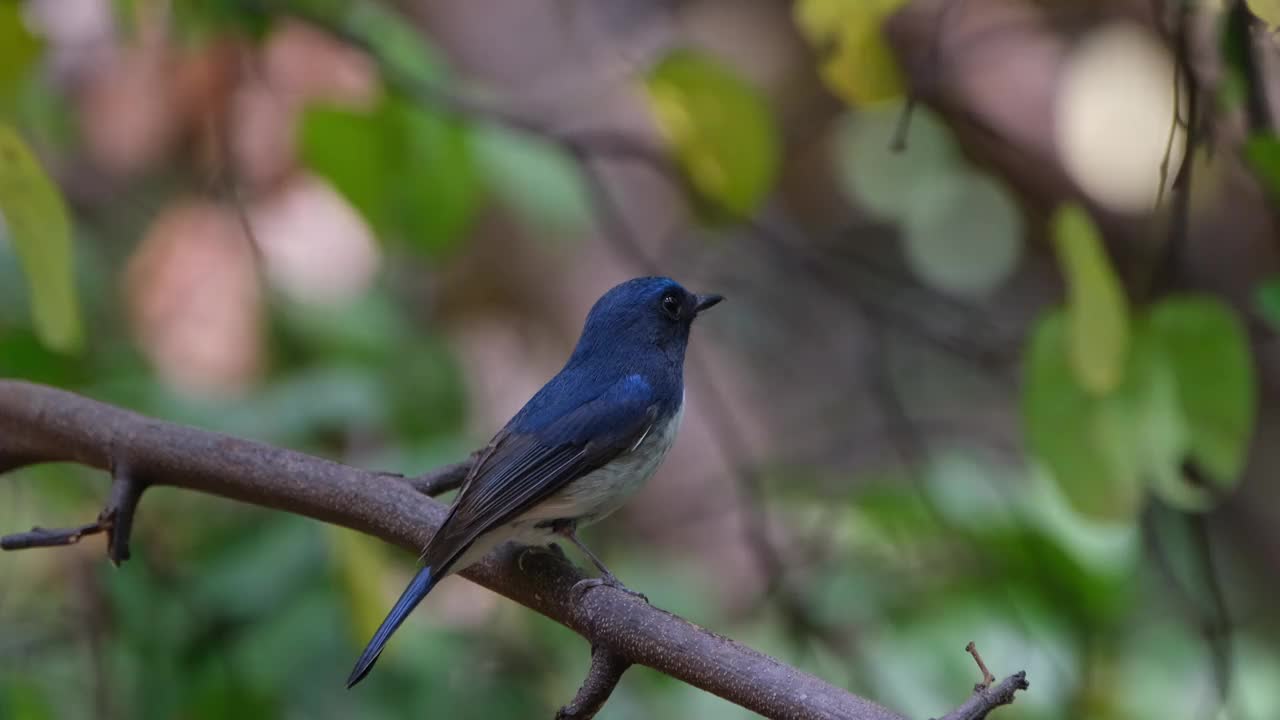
443	479
602	677
115	519
43	424
987	697
984	700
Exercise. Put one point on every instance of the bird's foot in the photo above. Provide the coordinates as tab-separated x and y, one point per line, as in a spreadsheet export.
581	587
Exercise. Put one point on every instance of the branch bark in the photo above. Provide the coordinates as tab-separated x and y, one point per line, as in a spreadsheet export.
43	424
443	479
987	697
116	520
602	677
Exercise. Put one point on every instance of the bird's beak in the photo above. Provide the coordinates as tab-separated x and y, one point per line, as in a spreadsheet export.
705	302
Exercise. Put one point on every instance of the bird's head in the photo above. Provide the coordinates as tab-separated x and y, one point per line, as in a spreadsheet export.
641	313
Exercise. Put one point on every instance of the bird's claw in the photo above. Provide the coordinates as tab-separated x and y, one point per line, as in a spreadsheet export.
581	587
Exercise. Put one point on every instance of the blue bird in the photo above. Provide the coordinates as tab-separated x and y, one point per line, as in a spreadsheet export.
577	450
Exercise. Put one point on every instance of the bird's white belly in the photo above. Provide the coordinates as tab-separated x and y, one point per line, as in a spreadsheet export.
596	495
588	499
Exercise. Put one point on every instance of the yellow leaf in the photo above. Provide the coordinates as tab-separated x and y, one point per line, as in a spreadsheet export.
721	129
820	20
1097	310
1267	11
19	50
857	63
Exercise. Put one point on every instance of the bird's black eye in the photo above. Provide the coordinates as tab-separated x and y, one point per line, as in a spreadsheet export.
671	306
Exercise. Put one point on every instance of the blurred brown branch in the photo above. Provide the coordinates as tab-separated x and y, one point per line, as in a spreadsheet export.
40	424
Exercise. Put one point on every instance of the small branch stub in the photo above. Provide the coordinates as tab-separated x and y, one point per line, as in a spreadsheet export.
987	697
987	677
443	479
116	520
603	676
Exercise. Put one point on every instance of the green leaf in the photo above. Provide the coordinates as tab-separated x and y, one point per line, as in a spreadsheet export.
403	53
1150	388
407	170
430	378
37	221
22	355
1263	155
888	181
21	699
1097	311
367	330
347	149
1236	48
1267	298
400	48
721	129
221	690
534	178
1208	351
1188	392
966	238
437	187
19	50
201	21
857	63
1087	443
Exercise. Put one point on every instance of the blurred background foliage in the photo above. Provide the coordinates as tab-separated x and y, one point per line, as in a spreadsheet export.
999	362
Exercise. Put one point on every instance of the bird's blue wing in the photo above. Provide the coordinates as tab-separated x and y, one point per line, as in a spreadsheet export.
521	468
524	464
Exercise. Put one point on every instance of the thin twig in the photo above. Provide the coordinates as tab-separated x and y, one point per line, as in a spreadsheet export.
49	537
899	143
1216	620
1213	621
1173	131
987	677
1240	22
602	677
986	698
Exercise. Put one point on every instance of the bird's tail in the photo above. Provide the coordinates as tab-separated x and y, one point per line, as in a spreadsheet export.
409	599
